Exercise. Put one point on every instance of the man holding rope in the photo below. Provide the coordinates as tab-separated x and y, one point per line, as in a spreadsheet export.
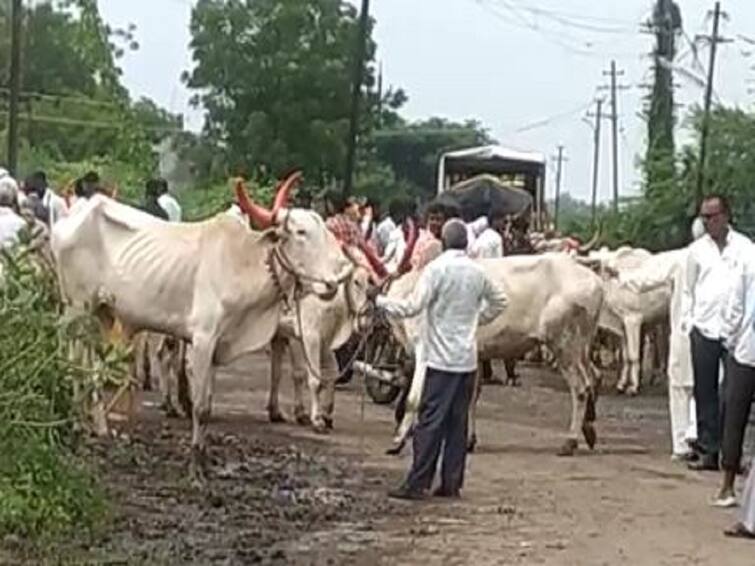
453	295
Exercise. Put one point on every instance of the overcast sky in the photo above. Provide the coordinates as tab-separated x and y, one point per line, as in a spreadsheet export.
527	69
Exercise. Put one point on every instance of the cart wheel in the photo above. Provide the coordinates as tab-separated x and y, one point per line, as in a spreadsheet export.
380	392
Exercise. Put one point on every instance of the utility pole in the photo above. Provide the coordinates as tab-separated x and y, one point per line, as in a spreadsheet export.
379	121
356	93
714	39
615	132
14	86
596	159
559	167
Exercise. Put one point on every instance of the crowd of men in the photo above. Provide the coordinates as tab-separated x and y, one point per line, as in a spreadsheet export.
33	203
715	284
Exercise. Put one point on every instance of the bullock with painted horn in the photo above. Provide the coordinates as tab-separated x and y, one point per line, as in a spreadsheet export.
215	283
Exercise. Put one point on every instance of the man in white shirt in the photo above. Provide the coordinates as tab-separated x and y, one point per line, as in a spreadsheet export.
168	202
739	339
663	269
490	243
388	225
712	265
11	223
452	296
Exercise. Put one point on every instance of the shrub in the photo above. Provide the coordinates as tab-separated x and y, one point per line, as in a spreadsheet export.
44	486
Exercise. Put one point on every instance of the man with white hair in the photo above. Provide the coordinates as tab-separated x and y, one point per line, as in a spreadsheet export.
11	223
453	295
673	270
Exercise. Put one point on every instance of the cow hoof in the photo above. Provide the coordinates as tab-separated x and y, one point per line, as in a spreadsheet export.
568	448
277	418
591	437
632	392
396	449
621	388
169	410
303	420
328	423
472	444
198	469
320	427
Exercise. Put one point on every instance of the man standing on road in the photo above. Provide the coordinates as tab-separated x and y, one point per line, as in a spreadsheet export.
452	295
712	265
739	340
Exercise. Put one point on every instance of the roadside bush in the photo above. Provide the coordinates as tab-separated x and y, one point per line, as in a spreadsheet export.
45	488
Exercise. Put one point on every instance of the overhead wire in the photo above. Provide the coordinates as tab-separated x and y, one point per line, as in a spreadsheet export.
555	118
571	20
569	42
58	97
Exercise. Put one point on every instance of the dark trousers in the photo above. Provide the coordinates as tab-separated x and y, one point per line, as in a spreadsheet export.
442	423
706	356
740	388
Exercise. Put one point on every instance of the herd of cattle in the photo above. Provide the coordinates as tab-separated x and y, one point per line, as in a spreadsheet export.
227	289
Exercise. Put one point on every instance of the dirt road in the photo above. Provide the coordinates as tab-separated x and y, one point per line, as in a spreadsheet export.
283	495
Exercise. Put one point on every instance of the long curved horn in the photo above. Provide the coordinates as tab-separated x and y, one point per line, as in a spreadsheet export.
262	217
585	248
411	234
284	191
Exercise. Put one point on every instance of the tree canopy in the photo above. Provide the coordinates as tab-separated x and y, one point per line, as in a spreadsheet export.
274	78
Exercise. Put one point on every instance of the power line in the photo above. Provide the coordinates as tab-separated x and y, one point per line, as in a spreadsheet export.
87	123
571	20
546	121
63	98
563	40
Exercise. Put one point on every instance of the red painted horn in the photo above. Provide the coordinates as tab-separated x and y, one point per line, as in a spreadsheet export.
283	191
261	217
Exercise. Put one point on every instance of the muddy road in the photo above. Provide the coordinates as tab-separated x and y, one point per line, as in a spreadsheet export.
283	495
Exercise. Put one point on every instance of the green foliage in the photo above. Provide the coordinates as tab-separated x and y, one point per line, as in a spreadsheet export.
73	104
413	150
44	487
275	80
207	200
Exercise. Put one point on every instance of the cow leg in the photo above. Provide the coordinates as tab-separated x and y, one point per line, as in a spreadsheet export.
184	389
140	362
299	377
311	349
633	330
202	385
476	387
623	383
329	387
164	354
276	366
411	408
579	398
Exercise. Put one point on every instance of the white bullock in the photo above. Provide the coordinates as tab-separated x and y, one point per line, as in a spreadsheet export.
552	301
215	283
627	311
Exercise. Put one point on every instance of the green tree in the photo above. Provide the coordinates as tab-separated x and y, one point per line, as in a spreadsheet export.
274	78
412	149
74	106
